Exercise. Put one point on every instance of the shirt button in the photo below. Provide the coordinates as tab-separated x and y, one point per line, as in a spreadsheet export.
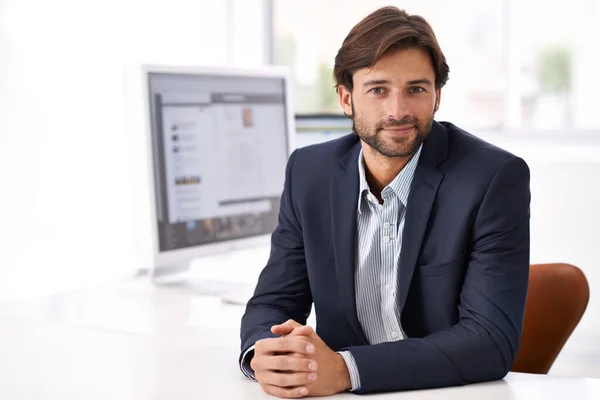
386	239
394	334
388	287
386	225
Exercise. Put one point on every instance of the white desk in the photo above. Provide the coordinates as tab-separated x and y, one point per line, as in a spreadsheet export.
155	345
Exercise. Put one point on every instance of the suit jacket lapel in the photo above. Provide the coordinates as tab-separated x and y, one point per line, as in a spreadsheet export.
344	202
422	195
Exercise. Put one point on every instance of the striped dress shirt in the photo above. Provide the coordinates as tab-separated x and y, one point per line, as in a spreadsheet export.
378	246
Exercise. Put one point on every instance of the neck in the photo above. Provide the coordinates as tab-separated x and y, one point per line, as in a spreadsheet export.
380	170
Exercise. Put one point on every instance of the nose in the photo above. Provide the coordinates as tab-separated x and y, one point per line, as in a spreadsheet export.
397	106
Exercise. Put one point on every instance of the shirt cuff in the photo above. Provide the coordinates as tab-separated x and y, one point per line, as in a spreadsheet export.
245	364
352	369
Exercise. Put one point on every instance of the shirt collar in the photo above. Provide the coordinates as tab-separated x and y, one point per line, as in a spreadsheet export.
400	186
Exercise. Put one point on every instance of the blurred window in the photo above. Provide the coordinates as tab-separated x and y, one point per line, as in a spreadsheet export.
514	64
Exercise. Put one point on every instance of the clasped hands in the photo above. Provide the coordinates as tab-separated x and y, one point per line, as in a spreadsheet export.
298	364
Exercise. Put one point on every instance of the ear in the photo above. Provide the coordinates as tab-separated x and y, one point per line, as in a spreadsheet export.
345	97
438	96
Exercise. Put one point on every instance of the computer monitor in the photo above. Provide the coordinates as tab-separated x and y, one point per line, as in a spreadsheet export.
219	140
319	128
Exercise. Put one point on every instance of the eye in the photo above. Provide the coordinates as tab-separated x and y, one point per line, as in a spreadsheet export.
416	89
376	90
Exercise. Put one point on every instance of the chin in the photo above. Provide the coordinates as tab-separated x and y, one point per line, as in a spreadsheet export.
396	149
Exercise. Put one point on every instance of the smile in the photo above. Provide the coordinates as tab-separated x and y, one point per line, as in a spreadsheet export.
398	130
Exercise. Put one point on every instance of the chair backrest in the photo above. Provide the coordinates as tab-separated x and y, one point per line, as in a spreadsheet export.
557	298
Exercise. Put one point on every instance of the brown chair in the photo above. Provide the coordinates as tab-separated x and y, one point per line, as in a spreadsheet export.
557	298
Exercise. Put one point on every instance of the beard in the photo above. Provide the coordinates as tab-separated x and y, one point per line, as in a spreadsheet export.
392	147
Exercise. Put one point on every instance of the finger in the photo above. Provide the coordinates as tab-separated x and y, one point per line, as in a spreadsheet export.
285	393
284	363
285	328
286	380
288	344
303	331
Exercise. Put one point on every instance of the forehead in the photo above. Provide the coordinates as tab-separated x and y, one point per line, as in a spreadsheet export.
399	66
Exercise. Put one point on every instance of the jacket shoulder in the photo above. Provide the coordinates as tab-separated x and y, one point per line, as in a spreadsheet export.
326	156
471	151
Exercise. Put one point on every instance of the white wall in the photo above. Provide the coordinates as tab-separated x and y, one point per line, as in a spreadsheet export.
66	204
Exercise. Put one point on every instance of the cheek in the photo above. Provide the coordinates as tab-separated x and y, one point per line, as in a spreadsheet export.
370	112
424	109
363	119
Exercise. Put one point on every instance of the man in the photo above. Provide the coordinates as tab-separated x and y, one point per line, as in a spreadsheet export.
411	238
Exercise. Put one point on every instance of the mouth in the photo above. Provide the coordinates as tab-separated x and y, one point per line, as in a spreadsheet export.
398	130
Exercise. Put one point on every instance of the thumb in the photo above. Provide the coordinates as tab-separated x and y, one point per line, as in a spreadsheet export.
286	328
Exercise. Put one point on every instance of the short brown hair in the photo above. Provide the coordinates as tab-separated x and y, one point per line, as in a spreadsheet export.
386	29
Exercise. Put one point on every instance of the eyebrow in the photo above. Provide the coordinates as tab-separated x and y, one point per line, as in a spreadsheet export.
377	82
387	82
420	82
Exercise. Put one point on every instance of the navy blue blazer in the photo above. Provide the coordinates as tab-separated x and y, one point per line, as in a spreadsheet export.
463	269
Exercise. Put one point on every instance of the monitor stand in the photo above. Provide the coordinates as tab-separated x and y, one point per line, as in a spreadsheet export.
231	276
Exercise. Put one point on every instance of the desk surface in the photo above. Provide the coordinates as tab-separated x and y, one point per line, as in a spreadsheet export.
105	346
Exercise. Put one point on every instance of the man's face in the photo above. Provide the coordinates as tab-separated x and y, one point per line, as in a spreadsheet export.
393	103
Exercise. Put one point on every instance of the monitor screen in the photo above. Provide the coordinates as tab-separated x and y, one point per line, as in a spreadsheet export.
319	128
219	150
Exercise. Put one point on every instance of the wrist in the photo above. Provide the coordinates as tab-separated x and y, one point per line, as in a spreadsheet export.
343	374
